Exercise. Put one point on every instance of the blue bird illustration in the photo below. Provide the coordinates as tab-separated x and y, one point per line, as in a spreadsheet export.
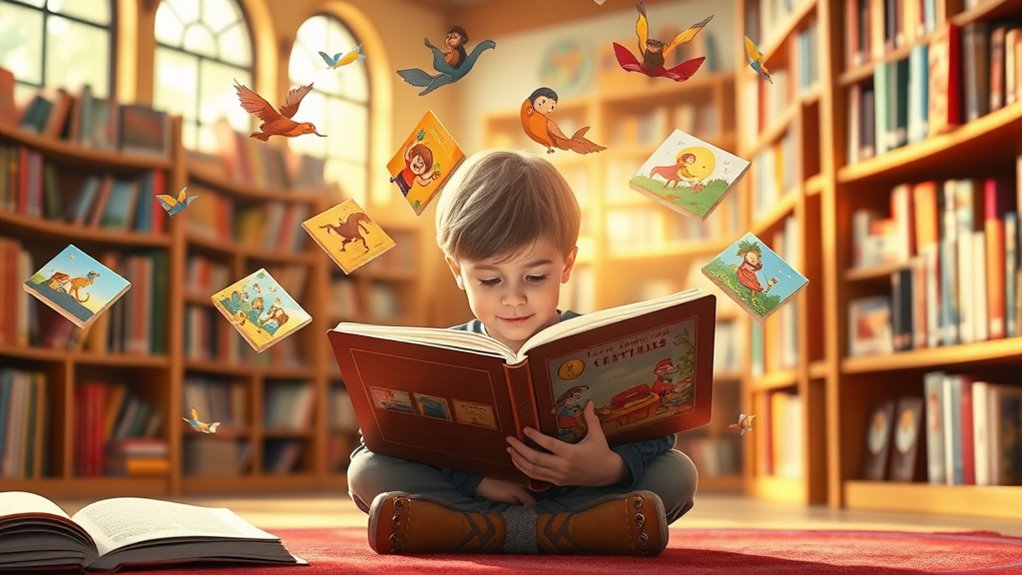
200	426
744	423
176	205
756	59
343	58
448	74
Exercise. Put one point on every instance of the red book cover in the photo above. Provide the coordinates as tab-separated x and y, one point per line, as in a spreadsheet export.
996	198
23	153
450	398
945	93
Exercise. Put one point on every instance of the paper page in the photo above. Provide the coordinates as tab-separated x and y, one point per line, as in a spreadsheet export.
603	317
115	523
17	502
451	338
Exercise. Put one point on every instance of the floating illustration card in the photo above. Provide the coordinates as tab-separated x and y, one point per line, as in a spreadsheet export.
259	308
754	276
349	236
77	286
425	161
688	175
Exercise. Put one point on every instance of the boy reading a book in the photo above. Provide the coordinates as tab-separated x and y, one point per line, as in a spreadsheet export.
507	224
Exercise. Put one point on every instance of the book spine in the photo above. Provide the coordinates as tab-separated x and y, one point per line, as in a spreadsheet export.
523	397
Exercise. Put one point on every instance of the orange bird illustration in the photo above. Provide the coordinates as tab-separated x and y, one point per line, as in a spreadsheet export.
276	123
538	125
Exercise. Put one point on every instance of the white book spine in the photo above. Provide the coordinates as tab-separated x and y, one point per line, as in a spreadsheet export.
980	432
980	314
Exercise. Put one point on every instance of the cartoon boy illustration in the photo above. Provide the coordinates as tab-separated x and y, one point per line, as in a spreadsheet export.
666	373
275	318
455	40
418	163
751	253
569	407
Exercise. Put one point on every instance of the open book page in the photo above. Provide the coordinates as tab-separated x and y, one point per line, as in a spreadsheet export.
123	521
448	338
604	317
18	502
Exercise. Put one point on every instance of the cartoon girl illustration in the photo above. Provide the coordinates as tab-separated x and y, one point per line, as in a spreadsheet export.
695	165
751	254
418	163
275	318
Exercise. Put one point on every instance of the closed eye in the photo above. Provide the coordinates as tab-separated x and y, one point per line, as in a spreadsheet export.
535	278
490	282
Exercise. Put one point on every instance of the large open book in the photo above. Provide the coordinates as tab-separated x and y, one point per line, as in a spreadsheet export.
37	534
449	397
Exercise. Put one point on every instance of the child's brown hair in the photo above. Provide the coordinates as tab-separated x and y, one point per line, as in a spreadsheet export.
501	202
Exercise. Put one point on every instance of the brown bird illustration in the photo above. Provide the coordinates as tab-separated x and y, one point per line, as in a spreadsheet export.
538	125
276	123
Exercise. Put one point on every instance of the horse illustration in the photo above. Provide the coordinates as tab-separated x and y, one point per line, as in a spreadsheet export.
351	229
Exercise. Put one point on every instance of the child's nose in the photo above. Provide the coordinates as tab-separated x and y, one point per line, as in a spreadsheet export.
514	296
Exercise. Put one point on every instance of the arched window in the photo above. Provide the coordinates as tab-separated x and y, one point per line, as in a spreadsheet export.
202	46
339	104
45	43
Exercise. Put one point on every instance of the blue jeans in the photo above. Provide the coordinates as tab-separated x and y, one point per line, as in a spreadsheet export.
672	476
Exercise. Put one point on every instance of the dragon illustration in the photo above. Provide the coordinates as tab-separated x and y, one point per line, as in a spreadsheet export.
351	229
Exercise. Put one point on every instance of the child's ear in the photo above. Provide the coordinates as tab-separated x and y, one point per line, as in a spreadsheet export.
455	271
569	262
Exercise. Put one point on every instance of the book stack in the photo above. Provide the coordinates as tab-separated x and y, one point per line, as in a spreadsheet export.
142	457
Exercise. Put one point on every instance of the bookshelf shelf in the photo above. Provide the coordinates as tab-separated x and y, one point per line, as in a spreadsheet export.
222	433
989	139
34	353
628	92
780	489
998	501
287	434
864	71
818	369
729	483
219	367
777	214
814	185
776	129
995	351
727	376
258	254
220	181
774	380
39	228
882	272
396	275
66	152
669	250
275	372
987	11
120	360
198	299
783	32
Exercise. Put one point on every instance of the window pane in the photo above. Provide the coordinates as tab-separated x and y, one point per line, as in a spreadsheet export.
218	98
219	14
21	42
169	27
176	82
36	3
313	109
199	40
351	120
351	178
68	68
189	134
97	11
236	46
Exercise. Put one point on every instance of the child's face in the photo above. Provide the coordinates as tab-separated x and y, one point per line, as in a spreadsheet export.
515	298
545	105
418	165
453	40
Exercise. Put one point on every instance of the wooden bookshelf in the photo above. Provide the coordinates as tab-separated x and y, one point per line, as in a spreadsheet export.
303	360
837	389
632	115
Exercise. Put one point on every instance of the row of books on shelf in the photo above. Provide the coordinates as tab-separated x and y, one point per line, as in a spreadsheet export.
776	170
779	432
252	163
85	120
340	411
728	343
972	436
774	342
288	405
19	318
962	75
957	245
338	451
399	259
764	17
24	436
381	300
206	275
875	27
31	186
648	129
107	413
209	336
273	226
212	456
217	399
713	456
764	103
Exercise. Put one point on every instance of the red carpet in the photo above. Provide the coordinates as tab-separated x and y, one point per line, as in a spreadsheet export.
691	552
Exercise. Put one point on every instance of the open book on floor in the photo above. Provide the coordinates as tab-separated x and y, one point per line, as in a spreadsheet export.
37	534
449	397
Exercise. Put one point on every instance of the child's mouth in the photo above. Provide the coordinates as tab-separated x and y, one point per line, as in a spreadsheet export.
515	320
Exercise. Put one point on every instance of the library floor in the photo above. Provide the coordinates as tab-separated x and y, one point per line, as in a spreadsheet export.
710	511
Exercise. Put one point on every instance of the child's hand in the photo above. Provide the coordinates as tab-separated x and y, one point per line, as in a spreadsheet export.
589	462
504	492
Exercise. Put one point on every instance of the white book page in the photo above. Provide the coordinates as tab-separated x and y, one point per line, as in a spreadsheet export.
17	502
603	317
430	335
115	523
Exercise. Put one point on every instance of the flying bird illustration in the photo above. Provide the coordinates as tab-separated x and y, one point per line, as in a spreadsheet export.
756	59
176	205
342	59
276	123
200	426
448	73
654	51
744	423
537	125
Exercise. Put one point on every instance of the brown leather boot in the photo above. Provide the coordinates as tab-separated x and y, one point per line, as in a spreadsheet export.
630	524
402	523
